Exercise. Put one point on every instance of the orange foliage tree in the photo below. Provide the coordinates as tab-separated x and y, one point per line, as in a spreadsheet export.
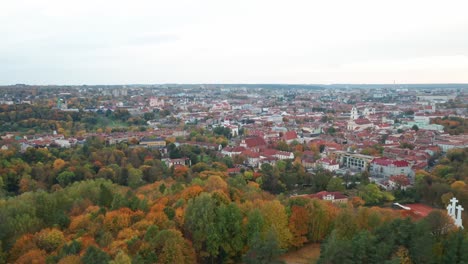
298	225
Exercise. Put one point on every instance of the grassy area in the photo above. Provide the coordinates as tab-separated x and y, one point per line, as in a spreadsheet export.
308	254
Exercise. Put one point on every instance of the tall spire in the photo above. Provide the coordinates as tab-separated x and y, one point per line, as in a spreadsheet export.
354	113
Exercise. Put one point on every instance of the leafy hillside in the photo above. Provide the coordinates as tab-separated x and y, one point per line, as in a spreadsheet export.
98	204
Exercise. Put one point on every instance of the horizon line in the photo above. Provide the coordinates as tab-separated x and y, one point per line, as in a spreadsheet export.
233	83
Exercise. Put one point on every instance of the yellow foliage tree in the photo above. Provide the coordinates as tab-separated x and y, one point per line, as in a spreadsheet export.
50	239
59	164
276	219
215	183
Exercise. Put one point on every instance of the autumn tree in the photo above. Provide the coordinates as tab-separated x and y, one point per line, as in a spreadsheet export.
50	239
276	219
95	255
298	225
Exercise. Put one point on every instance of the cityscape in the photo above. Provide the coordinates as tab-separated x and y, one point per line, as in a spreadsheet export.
396	150
234	132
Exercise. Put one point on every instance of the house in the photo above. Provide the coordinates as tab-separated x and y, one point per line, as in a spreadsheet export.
399	182
233	128
277	154
253	143
232	151
353	161
289	136
177	162
253	158
385	167
233	171
206	145
153	142
308	162
334	197
63	143
156	102
328	164
224	105
284	155
359	124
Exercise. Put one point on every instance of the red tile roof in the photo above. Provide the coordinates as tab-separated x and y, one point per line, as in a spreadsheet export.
255	142
400	179
362	121
290	135
388	162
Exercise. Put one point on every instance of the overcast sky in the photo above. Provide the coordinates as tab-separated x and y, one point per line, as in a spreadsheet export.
252	41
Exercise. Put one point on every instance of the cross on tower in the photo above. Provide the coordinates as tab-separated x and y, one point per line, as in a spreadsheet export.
455	212
452	207
458	220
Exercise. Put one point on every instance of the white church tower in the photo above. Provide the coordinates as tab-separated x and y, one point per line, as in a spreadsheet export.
354	113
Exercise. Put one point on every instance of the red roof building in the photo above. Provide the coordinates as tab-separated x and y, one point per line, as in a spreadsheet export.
253	143
385	167
289	136
334	197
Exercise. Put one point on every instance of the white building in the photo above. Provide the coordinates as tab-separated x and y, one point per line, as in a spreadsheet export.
385	167
156	102
328	164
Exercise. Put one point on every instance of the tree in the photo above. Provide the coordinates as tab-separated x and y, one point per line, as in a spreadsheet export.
336	250
230	229
50	239
215	183
298	224
331	131
173	247
65	178
59	164
439	223
3	255
255	224
415	128
454	248
180	172
70	259
363	247
320	180
372	195
95	255
32	256
320	219
276	219
201	225
335	185
121	258
403	255
364	177
270	179
345	224
263	251
105	196
135	178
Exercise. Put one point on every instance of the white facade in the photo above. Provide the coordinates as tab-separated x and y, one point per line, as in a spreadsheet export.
354	113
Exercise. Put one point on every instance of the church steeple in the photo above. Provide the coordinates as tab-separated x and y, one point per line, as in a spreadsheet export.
354	113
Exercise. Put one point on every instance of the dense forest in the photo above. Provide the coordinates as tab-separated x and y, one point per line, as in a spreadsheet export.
119	204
